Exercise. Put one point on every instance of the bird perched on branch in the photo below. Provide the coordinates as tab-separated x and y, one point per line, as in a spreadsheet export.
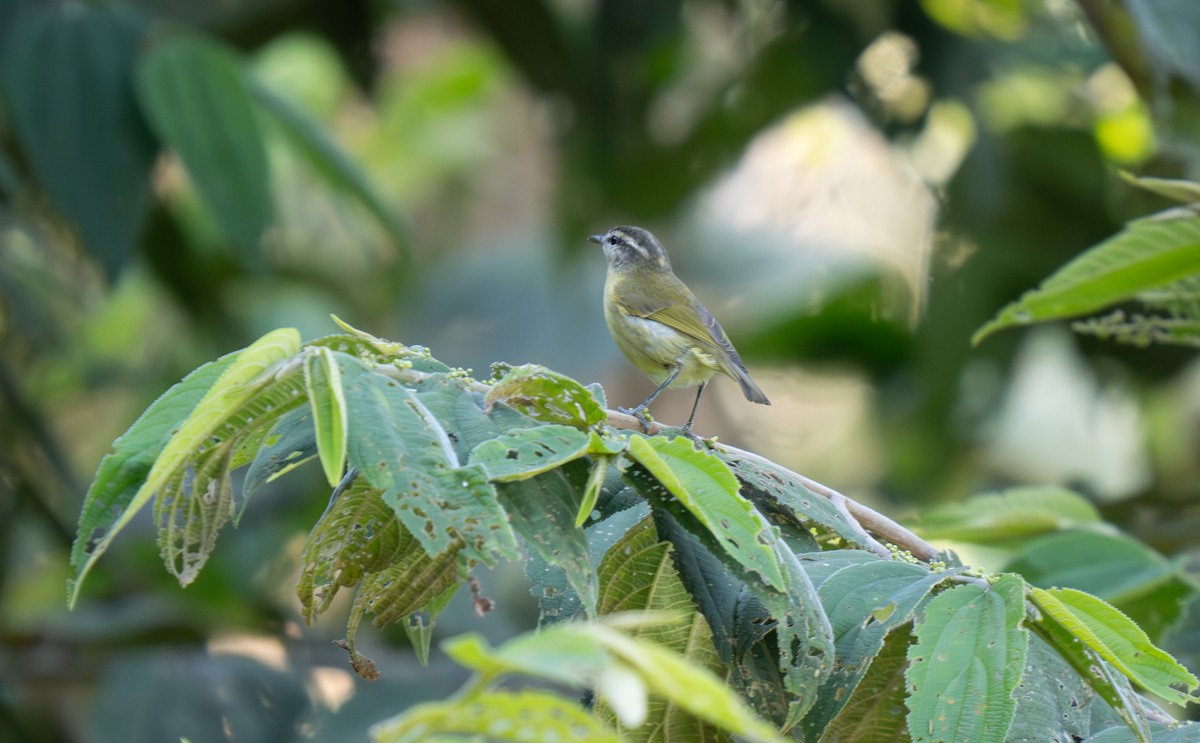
659	324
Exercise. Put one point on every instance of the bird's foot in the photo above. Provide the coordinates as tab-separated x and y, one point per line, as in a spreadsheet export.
640	413
699	441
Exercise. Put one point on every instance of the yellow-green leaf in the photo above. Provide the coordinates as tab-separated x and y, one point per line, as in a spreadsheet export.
323	379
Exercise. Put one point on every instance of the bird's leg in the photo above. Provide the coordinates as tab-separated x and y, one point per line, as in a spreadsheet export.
687	427
640	411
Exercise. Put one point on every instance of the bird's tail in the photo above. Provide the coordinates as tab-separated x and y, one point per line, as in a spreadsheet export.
749	388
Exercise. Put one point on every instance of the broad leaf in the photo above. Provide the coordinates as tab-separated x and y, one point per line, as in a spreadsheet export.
328	160
542	511
1053	702
492	715
1119	641
288	444
547	396
400	448
774	487
875	713
1185	192
110	505
1008	515
194	92
67	83
966	663
705	487
1110	566
638	575
1147	254
864	603
526	452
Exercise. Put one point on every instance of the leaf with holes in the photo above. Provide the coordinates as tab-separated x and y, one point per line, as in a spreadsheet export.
398	446
526	452
240	379
547	396
965	664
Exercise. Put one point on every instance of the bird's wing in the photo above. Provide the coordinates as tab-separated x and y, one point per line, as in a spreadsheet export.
699	325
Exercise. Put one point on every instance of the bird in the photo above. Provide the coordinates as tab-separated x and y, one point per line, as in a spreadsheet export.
659	324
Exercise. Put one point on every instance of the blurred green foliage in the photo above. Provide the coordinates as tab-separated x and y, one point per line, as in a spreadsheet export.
428	170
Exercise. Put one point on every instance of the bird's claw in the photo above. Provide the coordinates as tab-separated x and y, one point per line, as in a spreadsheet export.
640	414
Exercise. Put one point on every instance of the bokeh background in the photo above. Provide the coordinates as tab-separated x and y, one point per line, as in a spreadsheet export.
852	186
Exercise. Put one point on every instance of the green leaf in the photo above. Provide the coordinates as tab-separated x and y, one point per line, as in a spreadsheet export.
864	602
329	160
1185	192
1012	514
775	488
591	491
561	654
66	78
638	575
242	375
1110	566
804	639
400	448
1147	254
419	625
358	534
1113	687
542	511
708	490
288	444
1054	703
524	716
685	685
526	452
323	380
875	712
965	664
1116	639
547	396
194	92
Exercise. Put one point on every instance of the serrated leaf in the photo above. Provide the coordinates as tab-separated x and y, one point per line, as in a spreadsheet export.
876	713
194	93
542	511
685	685
1012	514
399	447
1054	705
1116	639
330	161
959	681
67	65
525	716
1110	566
805	640
526	452
241	377
638	574
1146	255
783	491
864	602
708	490
323	380
547	396
357	534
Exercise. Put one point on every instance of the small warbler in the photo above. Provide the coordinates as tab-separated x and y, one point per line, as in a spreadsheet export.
659	324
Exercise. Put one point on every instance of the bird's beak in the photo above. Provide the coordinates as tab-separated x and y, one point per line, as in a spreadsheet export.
598	239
